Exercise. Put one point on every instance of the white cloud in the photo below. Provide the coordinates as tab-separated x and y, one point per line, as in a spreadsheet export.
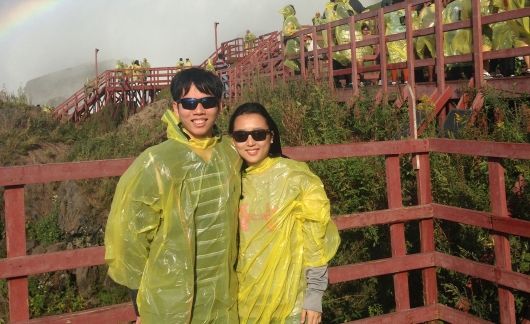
161	30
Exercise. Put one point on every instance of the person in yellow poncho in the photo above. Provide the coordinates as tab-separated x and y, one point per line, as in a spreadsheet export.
396	50
292	45
171	232
286	235
425	46
460	41
249	41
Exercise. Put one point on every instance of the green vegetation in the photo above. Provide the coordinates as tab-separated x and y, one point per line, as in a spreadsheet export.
307	115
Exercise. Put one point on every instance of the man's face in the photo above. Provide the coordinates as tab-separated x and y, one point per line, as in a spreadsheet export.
198	122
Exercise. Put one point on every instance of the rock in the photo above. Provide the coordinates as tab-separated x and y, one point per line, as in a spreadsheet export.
76	215
85	279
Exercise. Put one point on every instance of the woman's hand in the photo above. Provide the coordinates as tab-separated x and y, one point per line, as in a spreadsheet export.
138	320
310	317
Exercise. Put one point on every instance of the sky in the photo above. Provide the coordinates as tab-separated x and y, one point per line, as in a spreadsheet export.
38	37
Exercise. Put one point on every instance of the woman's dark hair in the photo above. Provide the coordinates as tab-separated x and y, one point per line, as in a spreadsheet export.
257	108
205	81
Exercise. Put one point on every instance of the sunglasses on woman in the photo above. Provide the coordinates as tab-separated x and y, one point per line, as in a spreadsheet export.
191	103
257	134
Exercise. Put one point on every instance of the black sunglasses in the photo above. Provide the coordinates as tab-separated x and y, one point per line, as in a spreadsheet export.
257	134
191	103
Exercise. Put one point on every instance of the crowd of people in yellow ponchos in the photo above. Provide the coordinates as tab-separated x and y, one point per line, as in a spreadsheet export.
496	36
136	71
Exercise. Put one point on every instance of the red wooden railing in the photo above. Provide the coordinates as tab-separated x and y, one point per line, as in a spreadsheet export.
133	87
18	266
265	60
318	65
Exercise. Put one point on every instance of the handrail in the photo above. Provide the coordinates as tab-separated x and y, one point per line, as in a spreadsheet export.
17	266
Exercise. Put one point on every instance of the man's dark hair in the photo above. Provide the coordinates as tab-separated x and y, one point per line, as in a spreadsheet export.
205	81
257	108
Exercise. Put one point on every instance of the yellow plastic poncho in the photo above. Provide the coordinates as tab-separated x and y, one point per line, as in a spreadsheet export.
209	66
249	40
457	42
425	20
290	26
343	10
285	227
397	50
521	26
172	229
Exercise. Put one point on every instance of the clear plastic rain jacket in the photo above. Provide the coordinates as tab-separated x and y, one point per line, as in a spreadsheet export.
172	229
285	227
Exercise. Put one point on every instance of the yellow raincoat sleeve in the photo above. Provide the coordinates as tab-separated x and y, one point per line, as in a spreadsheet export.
320	235
133	220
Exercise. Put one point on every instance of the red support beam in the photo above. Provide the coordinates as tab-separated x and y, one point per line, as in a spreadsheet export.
415	315
41	263
382	49
477	44
397	264
121	313
506	225
423	176
494	274
410	45
451	315
397	231
439	40
15	221
480	148
503	258
353	49
380	217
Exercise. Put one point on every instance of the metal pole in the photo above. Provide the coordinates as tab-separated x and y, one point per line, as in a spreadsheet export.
215	31
97	81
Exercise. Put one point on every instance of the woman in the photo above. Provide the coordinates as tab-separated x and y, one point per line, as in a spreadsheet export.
286	233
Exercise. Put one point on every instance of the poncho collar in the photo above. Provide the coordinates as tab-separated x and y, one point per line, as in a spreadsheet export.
176	132
262	166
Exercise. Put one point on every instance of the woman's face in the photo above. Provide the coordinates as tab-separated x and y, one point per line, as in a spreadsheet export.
252	150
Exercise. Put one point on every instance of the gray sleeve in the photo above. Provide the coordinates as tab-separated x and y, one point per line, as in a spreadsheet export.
317	282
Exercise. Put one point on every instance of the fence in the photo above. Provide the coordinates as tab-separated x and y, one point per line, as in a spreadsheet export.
18	266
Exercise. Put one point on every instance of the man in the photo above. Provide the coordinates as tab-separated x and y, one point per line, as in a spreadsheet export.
220	67
171	232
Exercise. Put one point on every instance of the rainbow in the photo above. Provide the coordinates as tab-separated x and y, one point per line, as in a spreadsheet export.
21	11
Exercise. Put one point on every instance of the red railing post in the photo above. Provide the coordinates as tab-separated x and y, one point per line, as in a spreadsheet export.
382	48
477	44
439	39
330	55
15	221
423	175
410	45
503	258
397	231
353	49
